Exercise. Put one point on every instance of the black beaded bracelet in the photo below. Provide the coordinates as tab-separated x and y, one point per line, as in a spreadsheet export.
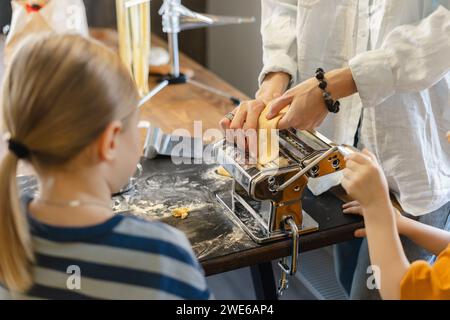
332	106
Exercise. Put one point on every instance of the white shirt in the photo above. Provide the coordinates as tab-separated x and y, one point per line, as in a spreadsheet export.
399	54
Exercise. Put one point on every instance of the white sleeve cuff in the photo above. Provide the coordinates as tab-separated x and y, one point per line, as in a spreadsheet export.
279	63
372	72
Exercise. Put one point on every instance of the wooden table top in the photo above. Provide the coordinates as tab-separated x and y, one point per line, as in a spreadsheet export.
178	106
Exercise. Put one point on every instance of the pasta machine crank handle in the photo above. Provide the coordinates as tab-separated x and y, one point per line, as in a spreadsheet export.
306	169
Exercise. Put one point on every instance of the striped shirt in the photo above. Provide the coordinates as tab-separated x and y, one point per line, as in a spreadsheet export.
122	258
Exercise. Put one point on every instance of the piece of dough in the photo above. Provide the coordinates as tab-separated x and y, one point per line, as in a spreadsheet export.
222	172
268	150
180	213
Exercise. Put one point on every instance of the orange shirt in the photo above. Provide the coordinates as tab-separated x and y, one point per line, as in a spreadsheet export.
428	282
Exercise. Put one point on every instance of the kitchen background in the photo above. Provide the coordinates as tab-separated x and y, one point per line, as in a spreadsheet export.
216	48
234	53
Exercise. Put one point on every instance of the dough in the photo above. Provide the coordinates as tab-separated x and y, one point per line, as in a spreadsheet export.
222	172
180	213
266	151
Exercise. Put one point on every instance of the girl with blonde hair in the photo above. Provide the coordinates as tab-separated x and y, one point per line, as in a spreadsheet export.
70	110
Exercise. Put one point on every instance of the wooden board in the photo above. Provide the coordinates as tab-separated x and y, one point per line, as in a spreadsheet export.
179	106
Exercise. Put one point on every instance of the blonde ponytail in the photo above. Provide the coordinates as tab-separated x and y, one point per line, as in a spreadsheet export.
59	94
16	254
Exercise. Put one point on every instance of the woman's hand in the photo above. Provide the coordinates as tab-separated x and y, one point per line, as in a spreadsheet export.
246	115
243	126
365	182
273	86
245	120
307	107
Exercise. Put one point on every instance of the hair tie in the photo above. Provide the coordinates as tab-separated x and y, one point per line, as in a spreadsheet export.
16	147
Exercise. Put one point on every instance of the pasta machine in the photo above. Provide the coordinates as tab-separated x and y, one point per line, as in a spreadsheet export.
266	200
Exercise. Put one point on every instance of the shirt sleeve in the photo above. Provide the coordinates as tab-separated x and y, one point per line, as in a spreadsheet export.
279	37
425	282
411	59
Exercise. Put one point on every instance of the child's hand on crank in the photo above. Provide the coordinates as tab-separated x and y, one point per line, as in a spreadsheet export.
365	182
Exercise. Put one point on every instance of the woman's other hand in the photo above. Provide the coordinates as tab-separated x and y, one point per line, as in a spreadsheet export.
307	108
246	115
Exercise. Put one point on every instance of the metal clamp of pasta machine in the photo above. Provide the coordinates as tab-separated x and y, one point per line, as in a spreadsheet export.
288	265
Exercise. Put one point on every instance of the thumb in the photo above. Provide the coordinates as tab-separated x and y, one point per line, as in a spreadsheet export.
278	104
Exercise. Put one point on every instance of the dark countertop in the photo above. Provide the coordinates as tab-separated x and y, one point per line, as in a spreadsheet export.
219	244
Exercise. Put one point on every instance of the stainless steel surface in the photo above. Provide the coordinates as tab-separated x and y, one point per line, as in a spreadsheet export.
176	17
157	142
153	92
263	200
306	169
132	181
299	153
261	195
207	20
174	54
248	215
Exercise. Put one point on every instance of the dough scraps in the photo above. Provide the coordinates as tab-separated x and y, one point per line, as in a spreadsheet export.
181	213
222	172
